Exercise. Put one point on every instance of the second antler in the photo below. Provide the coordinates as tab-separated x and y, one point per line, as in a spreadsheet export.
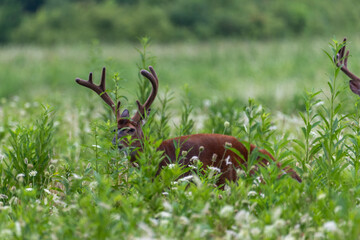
341	60
101	91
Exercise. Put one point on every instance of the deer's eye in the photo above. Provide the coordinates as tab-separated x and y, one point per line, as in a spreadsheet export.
131	130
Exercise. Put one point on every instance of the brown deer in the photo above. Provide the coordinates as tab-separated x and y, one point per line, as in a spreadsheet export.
341	60
211	149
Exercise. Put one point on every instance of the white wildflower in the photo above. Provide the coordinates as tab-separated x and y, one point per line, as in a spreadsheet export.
76	176
289	237
242	216
215	169
227	160
17	228
207	103
165	193
184	220
330	226
20	176
276	213
337	209
273	127
230	234
96	146
27	105
319	235
171	166
115	217
47	191
184	153
26	161
252	194
104	205
226	211
194	159
186	179
164	214
32	173
255	231
269	230
226	124
279	223
29	189
93	185
321	196
149	232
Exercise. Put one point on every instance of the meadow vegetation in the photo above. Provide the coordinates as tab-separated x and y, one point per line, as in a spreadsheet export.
61	177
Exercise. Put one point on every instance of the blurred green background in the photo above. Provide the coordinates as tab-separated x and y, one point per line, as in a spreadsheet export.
268	50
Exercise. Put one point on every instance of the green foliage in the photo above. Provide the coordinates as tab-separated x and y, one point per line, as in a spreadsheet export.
29	154
50	21
93	191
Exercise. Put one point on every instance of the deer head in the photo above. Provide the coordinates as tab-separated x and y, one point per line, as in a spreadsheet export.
126	126
341	60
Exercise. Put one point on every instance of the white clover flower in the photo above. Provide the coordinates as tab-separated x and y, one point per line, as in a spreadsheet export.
226	211
226	124
273	127
255	231
184	220
289	237
171	166
269	230
93	185
76	176
252	194
194	159
319	235
26	161
321	196
337	209
227	160
242	216
104	205
165	193
29	189
279	223
186	179
215	169
27	105
330	226
164	214
32	173
20	176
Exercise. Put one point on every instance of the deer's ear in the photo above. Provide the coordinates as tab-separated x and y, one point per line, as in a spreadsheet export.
125	114
355	86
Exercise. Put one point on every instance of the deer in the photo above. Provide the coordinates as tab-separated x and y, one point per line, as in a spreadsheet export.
341	61
211	149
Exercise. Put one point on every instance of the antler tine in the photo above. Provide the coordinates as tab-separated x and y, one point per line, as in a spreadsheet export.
152	77
101	91
341	61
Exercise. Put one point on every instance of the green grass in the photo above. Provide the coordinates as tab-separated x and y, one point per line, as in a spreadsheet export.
83	188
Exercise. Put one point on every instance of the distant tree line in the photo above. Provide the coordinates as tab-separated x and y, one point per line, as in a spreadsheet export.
66	21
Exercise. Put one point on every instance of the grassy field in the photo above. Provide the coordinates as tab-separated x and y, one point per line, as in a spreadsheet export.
61	178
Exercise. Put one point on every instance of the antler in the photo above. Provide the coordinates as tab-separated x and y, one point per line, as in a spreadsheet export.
155	85
100	90
341	61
